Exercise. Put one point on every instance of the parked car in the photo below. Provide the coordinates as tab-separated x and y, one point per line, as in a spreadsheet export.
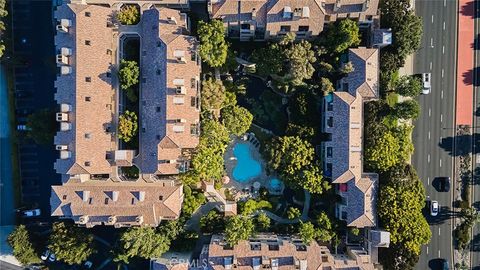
23	128
445	265
45	255
444	184
427	85
434	208
31	213
52	257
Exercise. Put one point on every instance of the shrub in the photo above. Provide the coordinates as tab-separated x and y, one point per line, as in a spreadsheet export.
129	15
127	126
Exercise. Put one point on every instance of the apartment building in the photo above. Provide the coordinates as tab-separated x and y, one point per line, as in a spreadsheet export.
183	5
95	191
270	251
265	19
343	153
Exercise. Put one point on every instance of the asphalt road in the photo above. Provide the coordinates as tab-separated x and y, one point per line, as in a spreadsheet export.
433	134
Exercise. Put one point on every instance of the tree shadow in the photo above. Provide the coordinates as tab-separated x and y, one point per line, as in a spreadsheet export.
471	77
468	9
463	144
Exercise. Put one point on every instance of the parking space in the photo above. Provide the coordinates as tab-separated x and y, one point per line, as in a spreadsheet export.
33	38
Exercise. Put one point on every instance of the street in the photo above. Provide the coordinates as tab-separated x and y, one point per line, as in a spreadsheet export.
433	134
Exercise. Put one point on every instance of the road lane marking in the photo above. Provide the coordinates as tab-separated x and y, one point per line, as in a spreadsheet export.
430	112
440	166
429	135
428	183
428	158
439	254
427	249
431	65
443	49
441	94
438	230
432	18
443	72
443	25
441	117
431	42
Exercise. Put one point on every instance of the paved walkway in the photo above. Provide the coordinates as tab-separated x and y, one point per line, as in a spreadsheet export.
465	68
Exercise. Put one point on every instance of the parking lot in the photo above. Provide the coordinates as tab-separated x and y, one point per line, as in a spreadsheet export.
34	90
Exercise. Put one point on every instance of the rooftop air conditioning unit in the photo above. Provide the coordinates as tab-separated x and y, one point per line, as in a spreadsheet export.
65	70
65	154
83	220
62	117
180	120
60	147
66	51
139	219
64	126
65	107
181	90
62	59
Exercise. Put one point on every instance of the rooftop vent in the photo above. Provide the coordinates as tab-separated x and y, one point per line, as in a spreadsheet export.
181	90
64	126
65	107
64	25
65	70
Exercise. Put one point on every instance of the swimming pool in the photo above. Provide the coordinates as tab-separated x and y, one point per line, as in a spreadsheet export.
247	167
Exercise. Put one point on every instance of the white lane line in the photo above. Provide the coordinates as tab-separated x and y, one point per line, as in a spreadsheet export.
444	3
441	117
427	249
443	72
439	253
441	94
438	230
428	158
432	18
444	26
429	135
443	49
431	65
428	183
430	112
431	42
440	166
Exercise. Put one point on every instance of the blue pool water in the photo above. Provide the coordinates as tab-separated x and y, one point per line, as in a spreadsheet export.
247	167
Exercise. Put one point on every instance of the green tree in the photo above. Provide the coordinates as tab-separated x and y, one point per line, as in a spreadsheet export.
192	200
208	163
251	206
326	86
70	244
324	231
306	232
212	222
213	48
300	58
269	60
304	132
127	126
400	206
144	242
214	135
23	250
42	126
384	154
263	222
408	109
288	154
213	94
189	178
347	68
293	213
342	35
311	179
355	231
128	74
408	86
128	15
236	119
238	228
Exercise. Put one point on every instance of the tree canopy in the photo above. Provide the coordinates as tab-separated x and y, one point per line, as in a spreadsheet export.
250	206
289	154
408	109
326	86
236	119
238	228
300	58
128	74
144	242
70	244
293	213
19	240
192	200
408	86
306	232
213	48
212	222
262	222
128	15
213	94
127	126
342	35
269	60
42	126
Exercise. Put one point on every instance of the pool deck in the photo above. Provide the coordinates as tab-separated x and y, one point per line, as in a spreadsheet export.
231	162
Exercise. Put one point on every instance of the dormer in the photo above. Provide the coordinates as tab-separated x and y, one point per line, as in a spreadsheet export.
305	12
254	14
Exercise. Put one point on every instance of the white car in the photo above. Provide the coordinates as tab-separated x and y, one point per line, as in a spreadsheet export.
52	257
45	255
23	128
427	84
31	213
434	208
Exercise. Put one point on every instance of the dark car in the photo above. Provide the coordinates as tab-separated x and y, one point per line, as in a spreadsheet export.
444	183
438	264
445	265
